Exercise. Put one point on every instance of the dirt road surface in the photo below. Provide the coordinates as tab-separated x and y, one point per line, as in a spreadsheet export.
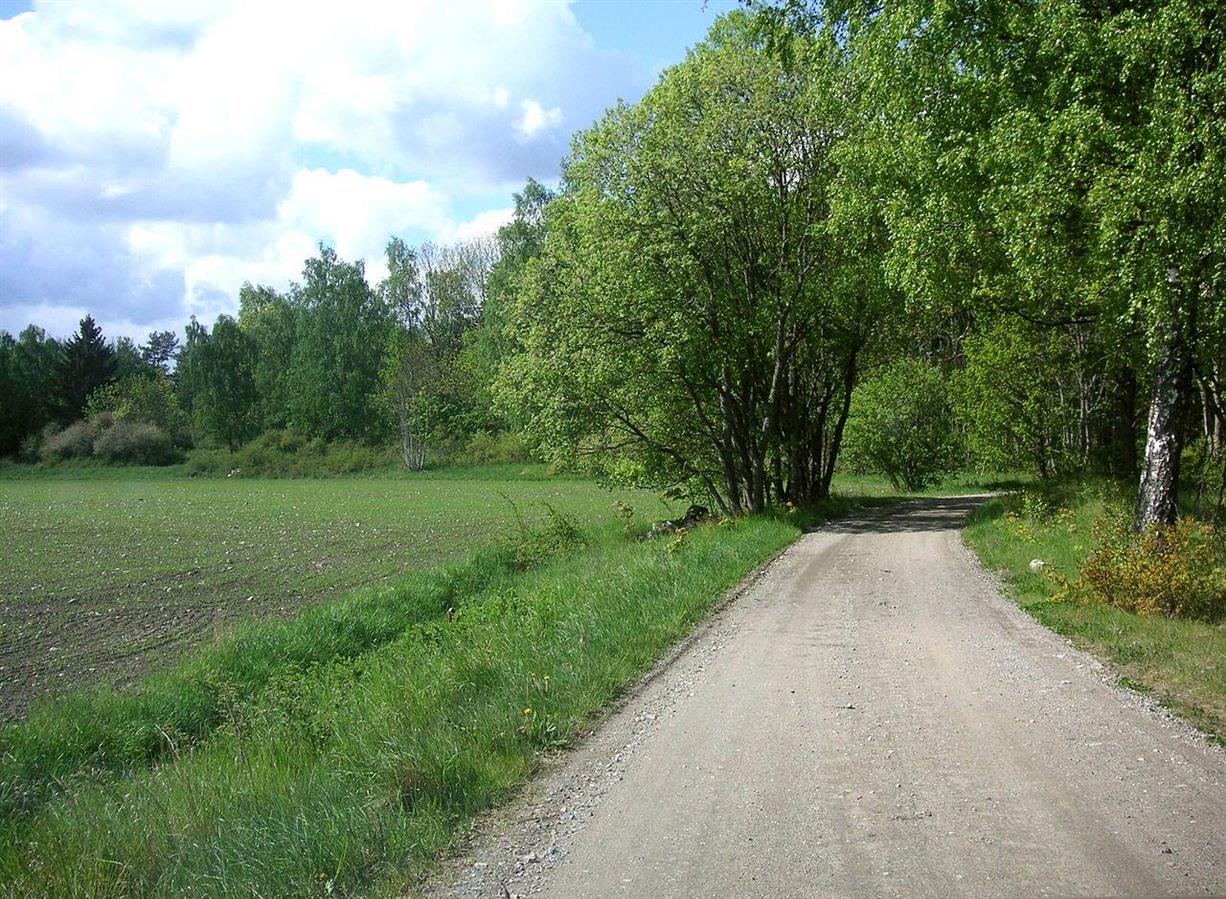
869	717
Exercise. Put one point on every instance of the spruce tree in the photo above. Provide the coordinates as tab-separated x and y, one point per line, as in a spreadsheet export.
85	364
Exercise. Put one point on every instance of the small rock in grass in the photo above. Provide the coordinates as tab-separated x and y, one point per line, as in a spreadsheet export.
1037	565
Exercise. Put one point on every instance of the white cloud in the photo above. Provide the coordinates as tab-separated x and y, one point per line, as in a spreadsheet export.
153	156
483	224
536	118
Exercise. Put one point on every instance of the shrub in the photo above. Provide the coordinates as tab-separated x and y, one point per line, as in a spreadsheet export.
484	448
74	442
900	425
1176	571
532	546
146	397
32	445
288	454
135	443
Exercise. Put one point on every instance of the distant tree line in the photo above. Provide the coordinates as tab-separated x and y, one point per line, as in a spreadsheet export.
332	358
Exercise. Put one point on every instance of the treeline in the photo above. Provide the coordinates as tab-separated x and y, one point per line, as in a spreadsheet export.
1024	198
331	359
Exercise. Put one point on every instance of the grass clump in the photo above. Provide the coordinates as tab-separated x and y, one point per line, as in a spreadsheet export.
1089	558
355	772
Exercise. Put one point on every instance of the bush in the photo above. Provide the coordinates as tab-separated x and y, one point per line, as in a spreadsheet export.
1178	571
32	445
484	448
74	442
288	454
135	443
557	536
145	397
900	425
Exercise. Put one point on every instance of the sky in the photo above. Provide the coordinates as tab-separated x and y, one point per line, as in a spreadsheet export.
155	155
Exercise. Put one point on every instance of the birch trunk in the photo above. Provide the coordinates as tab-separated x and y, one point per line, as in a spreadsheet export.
1157	498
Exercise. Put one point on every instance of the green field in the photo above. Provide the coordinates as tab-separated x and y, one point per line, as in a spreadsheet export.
108	571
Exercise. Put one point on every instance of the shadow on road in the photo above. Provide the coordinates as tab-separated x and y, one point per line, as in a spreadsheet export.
938	513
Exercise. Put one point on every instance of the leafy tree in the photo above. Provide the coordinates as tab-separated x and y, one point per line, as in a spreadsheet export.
1019	398
694	321
1059	161
410	394
27	371
341	338
453	280
85	364
901	425
129	361
520	243
144	397
401	290
218	383
271	321
13	414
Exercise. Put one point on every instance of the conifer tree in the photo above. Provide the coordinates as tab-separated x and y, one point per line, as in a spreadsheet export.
85	364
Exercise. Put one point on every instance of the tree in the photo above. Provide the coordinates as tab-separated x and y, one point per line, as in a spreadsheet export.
217	382
270	319
520	243
129	361
341	338
438	294
1062	162
1014	398
85	364
901	426
27	371
160	349
695	320
401	290
453	279
13	414
148	396
410	380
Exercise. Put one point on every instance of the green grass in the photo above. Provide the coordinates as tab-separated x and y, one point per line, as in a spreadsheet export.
136	539
870	485
1181	663
349	770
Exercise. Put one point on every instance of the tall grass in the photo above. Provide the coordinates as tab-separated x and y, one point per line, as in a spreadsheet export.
351	769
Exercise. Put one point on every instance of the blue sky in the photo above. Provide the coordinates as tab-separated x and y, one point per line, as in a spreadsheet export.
154	156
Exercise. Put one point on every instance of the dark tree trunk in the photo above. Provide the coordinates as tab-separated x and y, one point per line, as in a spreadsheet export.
1126	435
836	438
1157	498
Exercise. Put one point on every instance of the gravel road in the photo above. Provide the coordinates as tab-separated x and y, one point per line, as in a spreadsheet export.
868	717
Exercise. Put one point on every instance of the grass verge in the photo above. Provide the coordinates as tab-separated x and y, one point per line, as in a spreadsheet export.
352	770
1181	663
